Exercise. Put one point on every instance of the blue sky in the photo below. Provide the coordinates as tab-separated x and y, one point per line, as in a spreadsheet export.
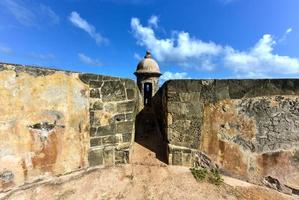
190	38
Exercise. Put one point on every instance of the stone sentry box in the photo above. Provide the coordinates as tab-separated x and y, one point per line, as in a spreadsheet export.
113	107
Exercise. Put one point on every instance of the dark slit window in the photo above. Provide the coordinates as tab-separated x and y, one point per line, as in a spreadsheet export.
148	88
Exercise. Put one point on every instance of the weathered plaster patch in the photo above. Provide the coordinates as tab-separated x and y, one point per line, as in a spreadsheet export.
43	124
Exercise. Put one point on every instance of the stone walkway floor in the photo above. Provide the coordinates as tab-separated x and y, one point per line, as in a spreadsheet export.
149	147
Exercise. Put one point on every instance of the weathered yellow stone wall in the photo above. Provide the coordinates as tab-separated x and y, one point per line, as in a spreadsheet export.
58	101
250	128
237	141
55	122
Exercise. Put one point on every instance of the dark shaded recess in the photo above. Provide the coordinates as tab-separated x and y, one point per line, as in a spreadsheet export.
119	117
148	135
149	129
275	184
6	176
45	126
294	191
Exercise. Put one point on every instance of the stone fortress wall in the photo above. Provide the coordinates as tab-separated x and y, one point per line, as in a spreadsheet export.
250	128
55	122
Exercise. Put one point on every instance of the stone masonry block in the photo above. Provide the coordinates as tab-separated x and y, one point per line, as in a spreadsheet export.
124	127
95	93
109	140
127	137
119	117
95	157
109	156
95	84
130	94
95	142
129	116
113	91
86	78
106	130
97	105
177	157
128	106
122	157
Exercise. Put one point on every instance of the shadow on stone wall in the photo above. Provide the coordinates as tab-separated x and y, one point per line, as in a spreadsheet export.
248	127
148	133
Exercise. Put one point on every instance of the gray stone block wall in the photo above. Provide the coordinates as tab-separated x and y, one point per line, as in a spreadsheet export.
178	106
113	107
249	127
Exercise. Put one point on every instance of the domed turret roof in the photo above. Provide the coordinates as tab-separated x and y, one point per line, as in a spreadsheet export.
147	65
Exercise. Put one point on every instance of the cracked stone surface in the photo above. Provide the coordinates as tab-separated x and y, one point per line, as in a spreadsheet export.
54	122
248	127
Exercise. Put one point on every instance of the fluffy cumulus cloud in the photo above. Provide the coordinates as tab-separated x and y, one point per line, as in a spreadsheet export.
30	15
181	48
89	61
260	59
177	75
153	21
189	52
81	23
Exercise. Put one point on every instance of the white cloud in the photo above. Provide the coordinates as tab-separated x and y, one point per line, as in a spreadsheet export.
89	61
180	49
285	35
30	15
48	56
20	12
260	59
153	21
289	30
177	75
49	14
5	50
137	56
192	53
81	23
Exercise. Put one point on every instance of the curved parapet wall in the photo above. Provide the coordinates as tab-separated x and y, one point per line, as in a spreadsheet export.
249	127
54	122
